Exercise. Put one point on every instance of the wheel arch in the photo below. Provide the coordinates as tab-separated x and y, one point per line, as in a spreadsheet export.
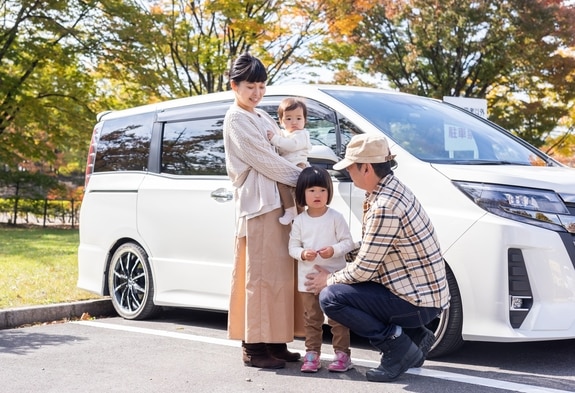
119	243
449	326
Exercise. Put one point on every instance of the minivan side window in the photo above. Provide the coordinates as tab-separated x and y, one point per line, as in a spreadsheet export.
347	131
194	147
124	144
320	122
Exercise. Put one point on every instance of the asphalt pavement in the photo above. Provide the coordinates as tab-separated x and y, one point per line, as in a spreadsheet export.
25	316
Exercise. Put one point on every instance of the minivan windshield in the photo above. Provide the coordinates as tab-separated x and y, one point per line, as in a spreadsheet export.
436	132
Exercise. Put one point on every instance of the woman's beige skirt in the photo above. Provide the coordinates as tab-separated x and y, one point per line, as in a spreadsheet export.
264	304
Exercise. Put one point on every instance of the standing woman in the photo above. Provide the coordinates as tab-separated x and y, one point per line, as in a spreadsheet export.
262	295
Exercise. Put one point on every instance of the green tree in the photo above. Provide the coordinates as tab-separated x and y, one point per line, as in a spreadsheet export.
45	90
62	62
500	50
536	99
178	48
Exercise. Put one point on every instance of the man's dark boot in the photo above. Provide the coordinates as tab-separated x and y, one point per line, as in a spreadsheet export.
423	338
257	355
280	351
399	354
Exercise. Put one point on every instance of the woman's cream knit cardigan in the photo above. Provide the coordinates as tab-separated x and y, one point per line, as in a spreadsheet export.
253	164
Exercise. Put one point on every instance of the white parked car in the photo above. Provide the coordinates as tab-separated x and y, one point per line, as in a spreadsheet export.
157	218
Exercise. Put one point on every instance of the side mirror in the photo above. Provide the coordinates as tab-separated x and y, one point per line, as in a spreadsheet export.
324	157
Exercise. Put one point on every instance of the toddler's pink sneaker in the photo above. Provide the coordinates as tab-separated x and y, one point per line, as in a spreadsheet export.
311	362
341	362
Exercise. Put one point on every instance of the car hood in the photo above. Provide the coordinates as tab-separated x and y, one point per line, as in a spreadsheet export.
559	179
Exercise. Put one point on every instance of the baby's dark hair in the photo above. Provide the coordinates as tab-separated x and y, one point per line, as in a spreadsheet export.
248	68
290	104
312	176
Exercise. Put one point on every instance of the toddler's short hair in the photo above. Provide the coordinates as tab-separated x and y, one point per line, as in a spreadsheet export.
290	104
313	176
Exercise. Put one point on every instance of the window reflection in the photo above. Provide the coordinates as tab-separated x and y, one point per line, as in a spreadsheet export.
194	147
436	132
124	144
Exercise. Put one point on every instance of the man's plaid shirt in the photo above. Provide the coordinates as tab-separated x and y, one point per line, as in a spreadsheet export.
399	248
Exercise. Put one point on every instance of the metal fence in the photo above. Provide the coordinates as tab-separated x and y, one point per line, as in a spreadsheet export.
40	212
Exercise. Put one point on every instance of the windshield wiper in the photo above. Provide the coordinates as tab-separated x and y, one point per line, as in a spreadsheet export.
487	162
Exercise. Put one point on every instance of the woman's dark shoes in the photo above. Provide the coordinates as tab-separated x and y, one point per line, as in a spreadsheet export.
263	361
280	351
257	355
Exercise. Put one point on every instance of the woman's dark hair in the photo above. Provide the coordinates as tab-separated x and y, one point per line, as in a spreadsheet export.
313	176
248	68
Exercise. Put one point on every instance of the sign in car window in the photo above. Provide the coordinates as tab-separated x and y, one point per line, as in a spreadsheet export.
459	142
477	106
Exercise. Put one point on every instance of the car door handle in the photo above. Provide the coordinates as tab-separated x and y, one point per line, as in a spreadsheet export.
222	195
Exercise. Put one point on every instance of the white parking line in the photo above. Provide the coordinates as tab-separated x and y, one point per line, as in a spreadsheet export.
516	387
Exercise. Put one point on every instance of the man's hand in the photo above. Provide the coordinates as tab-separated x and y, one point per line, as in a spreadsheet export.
316	281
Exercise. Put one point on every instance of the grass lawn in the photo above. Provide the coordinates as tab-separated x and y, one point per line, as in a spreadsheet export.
39	266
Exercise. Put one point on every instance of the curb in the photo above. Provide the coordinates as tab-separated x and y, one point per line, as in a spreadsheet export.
17	317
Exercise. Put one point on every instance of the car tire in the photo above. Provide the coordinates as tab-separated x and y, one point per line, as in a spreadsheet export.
448	326
130	283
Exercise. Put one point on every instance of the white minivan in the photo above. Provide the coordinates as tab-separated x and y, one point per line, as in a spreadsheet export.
157	218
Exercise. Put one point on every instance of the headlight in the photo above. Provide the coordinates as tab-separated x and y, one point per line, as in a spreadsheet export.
533	206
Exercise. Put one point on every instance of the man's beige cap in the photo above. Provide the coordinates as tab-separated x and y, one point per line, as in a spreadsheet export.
365	148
